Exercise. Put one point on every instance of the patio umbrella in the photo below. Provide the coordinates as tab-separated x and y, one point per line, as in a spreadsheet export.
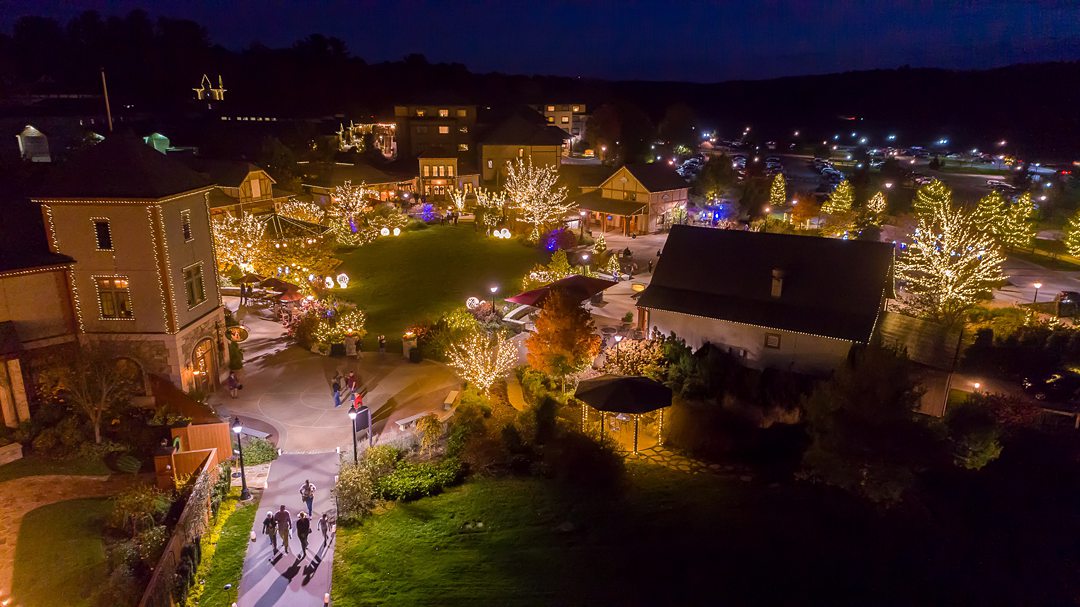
276	284
624	394
291	295
249	278
575	286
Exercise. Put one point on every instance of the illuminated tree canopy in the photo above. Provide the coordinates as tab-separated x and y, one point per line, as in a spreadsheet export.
840	200
482	359
532	189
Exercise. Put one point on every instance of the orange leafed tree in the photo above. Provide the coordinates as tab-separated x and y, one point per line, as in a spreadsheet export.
565	340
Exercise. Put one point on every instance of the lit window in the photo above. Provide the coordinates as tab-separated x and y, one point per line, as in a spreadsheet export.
256	188
576	108
442	170
114	298
463	130
103	234
462	113
427	170
551	108
444	113
521	152
566	120
419	113
772	340
444	130
463	147
491	164
185	225
449	170
551	119
193	285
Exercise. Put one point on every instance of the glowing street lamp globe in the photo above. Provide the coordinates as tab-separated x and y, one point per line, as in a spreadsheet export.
343	280
329	282
385	231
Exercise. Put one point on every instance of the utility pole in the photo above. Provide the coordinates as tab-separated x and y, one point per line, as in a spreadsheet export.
105	89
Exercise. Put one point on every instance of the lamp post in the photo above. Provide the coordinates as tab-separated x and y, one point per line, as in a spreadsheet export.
237	428
1037	286
584	262
352	422
581	224
494	289
617	339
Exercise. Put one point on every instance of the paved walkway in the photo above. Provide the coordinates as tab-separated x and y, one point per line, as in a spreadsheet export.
285	580
22	495
288	388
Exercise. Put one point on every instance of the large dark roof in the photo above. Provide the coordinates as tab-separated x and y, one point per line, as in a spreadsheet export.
122	166
595	201
519	130
831	287
328	175
23	243
225	173
657	176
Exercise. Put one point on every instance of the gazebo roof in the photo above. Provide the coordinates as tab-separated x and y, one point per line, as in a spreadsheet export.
576	286
624	394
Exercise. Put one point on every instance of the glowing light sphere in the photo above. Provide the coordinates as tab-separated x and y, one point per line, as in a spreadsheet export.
504	233
329	282
311	277
397	231
472	303
343	280
385	231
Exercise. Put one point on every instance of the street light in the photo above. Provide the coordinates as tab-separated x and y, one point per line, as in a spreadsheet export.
1037	286
584	262
494	289
237	428
352	420
581	224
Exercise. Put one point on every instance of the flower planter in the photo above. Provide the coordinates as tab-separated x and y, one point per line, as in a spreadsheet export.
10	453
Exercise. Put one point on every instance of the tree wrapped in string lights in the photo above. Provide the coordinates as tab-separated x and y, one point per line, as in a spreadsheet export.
481	359
304	210
490	206
840	200
778	192
1072	235
238	241
1019	227
931	196
875	207
950	262
532	189
990	213
457	197
347	214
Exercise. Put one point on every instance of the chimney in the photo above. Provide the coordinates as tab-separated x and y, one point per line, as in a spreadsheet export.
777	283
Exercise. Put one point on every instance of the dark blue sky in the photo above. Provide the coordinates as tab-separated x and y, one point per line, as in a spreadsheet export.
687	40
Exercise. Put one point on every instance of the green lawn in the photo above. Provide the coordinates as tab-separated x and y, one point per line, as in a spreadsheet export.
60	555
671	539
225	562
32	465
422	274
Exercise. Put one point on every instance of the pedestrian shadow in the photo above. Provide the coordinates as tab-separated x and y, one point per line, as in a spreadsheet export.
274	592
313	566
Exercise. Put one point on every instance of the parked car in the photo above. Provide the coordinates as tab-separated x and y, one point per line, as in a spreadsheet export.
921	179
1059	386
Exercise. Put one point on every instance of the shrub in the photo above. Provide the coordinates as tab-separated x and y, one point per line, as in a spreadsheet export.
120	588
61	440
584	465
411	480
236	356
128	464
355	493
258	451
431	430
150	543
138	506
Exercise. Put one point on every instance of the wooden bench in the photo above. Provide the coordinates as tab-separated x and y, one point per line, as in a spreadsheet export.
451	398
405	422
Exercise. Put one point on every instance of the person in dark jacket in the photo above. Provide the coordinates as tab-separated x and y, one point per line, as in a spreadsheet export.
303	530
270	529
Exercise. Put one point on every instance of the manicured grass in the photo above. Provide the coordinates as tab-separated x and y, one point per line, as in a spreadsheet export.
60	555
223	551
422	274
670	539
32	465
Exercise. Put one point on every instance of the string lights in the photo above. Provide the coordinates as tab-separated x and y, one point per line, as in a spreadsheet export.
481	359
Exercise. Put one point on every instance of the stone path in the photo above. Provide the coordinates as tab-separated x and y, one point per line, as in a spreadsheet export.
285	580
22	495
662	456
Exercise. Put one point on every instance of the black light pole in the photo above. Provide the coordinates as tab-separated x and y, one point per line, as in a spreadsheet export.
237	428
352	419
494	289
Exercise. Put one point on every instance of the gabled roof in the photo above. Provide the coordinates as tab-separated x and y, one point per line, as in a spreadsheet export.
121	166
225	173
831	287
518	130
657	176
328	175
595	201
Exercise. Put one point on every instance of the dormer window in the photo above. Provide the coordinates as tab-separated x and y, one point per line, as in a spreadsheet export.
103	235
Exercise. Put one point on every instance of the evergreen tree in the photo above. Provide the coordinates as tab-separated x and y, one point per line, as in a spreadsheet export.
778	192
990	215
840	201
1072	235
1019	228
934	195
875	207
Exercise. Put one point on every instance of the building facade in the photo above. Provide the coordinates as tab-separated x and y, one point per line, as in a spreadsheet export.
421	128
440	171
519	137
635	199
570	117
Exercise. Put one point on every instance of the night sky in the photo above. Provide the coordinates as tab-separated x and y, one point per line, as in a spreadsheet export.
693	41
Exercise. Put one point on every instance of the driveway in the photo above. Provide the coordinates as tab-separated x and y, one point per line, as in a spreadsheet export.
1023	275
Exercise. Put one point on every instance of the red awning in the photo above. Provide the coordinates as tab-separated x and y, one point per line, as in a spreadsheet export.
576	286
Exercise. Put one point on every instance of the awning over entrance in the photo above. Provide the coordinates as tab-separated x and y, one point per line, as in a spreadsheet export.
594	201
574	286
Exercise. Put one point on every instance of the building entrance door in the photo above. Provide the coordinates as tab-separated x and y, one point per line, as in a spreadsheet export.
204	365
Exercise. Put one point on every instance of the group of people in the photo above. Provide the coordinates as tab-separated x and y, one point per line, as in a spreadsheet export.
280	524
345	389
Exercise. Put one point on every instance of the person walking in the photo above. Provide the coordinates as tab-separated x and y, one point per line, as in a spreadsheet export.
243	292
303	530
284	526
232	382
324	527
350	382
382	344
270	529
307	493
335	388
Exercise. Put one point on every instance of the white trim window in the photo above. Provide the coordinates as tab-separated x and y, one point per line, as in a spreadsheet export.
114	298
103	234
194	288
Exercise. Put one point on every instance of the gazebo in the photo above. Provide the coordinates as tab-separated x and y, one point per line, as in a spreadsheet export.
624	394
